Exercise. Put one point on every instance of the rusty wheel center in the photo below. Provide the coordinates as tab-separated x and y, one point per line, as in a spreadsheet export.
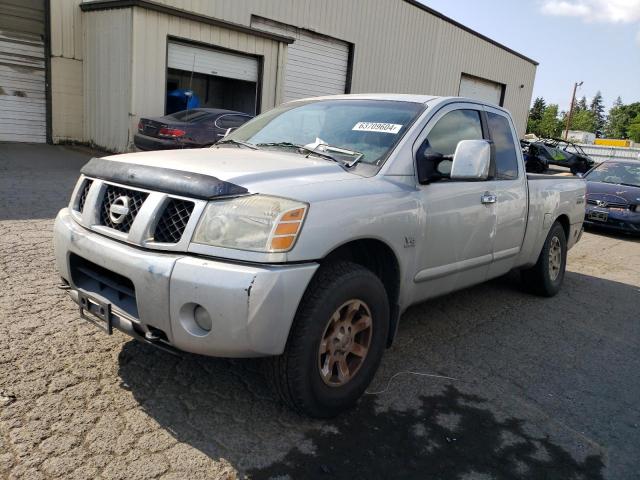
345	343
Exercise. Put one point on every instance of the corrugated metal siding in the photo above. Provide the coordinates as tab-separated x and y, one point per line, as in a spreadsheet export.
107	78
398	47
22	88
66	29
150	33
66	99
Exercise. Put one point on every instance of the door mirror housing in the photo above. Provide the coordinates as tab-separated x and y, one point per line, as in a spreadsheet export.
471	160
428	166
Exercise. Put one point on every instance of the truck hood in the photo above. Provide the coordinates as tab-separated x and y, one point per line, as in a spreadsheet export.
259	171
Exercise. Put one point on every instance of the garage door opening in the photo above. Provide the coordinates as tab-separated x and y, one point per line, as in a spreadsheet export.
316	64
482	89
23	110
218	79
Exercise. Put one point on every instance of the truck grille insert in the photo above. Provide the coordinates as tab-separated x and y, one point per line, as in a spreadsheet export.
173	221
132	200
84	192
92	278
611	204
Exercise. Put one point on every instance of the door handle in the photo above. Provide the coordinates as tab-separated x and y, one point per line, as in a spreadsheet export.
489	198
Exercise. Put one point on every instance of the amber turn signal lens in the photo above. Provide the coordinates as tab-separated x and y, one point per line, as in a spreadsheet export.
282	243
287	228
293	215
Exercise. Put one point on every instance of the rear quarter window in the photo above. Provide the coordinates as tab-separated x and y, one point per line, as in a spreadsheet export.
231	121
505	147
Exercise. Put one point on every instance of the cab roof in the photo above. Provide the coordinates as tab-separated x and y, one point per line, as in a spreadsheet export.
432	100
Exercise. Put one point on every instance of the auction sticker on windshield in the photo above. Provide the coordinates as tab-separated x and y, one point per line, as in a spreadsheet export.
377	127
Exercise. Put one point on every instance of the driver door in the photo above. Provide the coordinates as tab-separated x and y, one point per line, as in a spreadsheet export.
456	245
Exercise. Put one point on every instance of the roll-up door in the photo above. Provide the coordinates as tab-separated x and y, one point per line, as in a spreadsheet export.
212	62
316	65
22	71
481	89
217	78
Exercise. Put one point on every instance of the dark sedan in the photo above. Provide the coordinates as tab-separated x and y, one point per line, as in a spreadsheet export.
613	196
195	128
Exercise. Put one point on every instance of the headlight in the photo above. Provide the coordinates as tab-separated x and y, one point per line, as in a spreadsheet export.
257	222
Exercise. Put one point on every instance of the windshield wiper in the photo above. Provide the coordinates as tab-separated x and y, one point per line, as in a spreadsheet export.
321	146
301	148
238	142
325	147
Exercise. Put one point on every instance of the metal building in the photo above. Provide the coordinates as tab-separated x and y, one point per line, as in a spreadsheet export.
112	61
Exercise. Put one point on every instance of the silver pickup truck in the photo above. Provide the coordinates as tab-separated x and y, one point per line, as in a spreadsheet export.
306	233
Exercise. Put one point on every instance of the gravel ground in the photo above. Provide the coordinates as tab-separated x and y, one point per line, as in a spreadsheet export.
538	388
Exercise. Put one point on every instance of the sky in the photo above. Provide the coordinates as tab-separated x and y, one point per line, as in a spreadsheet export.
594	41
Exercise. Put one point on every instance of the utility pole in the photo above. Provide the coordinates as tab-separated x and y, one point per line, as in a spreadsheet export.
573	103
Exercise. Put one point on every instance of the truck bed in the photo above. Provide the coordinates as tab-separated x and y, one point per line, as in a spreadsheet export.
552	197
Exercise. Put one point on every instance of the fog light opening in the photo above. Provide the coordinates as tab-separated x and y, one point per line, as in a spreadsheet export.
202	318
195	319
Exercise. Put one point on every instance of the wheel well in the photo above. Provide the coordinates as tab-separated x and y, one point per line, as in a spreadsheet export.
566	225
378	257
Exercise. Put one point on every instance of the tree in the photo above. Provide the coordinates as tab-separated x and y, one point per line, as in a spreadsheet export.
581	105
620	119
634	129
617	121
550	125
537	109
583	120
597	108
535	115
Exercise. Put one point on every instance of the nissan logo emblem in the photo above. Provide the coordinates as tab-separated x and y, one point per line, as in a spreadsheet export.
119	209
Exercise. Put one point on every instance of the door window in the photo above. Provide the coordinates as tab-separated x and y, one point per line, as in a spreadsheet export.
231	121
506	156
445	135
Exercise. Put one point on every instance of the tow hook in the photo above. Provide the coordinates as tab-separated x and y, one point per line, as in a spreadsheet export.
152	336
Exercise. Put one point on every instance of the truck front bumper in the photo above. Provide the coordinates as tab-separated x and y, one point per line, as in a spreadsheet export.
251	307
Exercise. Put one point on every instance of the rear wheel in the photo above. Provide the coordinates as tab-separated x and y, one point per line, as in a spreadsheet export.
336	342
546	276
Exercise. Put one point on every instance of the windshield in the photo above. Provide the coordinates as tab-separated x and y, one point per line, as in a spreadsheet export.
367	127
613	172
190	115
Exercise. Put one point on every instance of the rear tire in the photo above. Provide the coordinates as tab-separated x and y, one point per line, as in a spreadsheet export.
546	276
319	374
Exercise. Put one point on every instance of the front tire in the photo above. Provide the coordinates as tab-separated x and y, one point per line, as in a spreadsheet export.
546	276
336	341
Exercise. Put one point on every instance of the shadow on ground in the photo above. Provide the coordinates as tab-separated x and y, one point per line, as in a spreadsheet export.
451	435
538	380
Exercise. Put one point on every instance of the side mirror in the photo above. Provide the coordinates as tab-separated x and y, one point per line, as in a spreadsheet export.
471	160
580	175
428	165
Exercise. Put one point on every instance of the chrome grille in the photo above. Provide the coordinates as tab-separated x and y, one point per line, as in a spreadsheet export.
83	195
173	221
135	200
610	204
